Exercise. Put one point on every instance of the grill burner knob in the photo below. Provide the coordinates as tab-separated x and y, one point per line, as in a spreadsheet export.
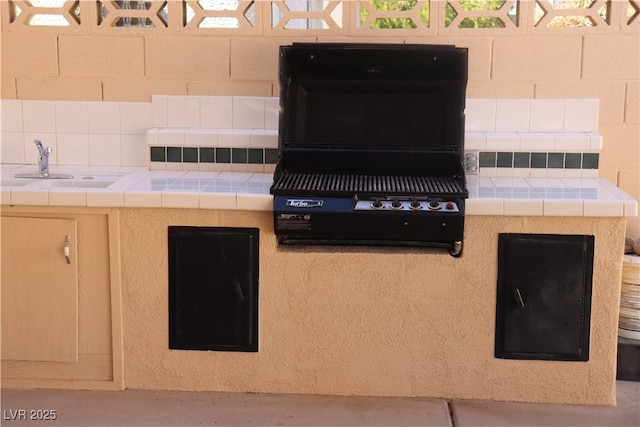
415	204
396	204
377	204
434	204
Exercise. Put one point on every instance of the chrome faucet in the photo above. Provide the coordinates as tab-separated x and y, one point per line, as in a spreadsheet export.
43	165
43	159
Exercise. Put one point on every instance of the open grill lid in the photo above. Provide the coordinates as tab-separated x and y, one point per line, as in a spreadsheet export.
398	97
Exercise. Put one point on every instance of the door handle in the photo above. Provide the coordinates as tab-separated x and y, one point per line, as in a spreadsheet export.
67	251
517	296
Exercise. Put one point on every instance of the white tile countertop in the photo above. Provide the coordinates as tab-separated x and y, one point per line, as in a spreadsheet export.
106	186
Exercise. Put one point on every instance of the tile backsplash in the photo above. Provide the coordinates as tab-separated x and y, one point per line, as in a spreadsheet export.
532	115
512	137
80	133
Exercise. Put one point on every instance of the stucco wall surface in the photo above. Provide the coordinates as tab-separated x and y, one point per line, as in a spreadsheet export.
381	322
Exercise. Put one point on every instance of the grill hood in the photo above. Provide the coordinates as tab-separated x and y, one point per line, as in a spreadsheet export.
388	97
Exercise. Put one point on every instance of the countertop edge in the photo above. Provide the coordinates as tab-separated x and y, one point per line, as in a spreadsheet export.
136	188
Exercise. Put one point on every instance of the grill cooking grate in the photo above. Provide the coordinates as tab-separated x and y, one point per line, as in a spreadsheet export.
367	183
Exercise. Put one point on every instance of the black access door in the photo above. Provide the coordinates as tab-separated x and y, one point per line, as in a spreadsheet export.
213	288
544	296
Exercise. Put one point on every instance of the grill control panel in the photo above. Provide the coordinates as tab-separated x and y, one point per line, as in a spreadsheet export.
396	204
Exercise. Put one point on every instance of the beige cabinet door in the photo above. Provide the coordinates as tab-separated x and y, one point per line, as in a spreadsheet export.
39	289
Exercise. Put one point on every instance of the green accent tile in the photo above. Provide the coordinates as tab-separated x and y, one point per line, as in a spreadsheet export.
487	160
158	154
572	160
556	160
270	156
590	160
174	154
521	160
238	155
539	160
190	155
505	160
223	155
256	156
206	155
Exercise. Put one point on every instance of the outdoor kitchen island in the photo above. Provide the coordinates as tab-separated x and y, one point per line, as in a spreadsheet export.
359	320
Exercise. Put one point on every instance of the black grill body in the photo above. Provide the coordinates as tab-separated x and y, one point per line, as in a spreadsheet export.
371	145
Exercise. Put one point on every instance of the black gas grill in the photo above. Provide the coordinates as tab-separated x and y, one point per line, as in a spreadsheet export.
371	145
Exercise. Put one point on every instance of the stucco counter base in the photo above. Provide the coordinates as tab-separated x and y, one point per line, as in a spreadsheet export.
375	322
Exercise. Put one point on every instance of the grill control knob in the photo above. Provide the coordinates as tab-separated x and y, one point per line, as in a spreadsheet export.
434	204
396	204
376	203
449	205
415	204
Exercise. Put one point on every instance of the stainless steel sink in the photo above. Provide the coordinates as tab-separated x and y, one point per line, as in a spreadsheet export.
60	181
14	182
49	176
76	183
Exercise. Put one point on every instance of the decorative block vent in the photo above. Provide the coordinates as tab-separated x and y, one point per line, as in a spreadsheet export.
297	15
490	14
572	13
337	17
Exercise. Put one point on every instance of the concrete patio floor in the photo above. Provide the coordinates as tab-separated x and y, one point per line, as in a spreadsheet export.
134	408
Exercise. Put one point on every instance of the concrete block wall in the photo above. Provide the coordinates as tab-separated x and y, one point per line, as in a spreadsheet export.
92	59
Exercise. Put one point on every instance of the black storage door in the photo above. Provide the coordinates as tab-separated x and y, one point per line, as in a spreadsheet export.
213	288
544	296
